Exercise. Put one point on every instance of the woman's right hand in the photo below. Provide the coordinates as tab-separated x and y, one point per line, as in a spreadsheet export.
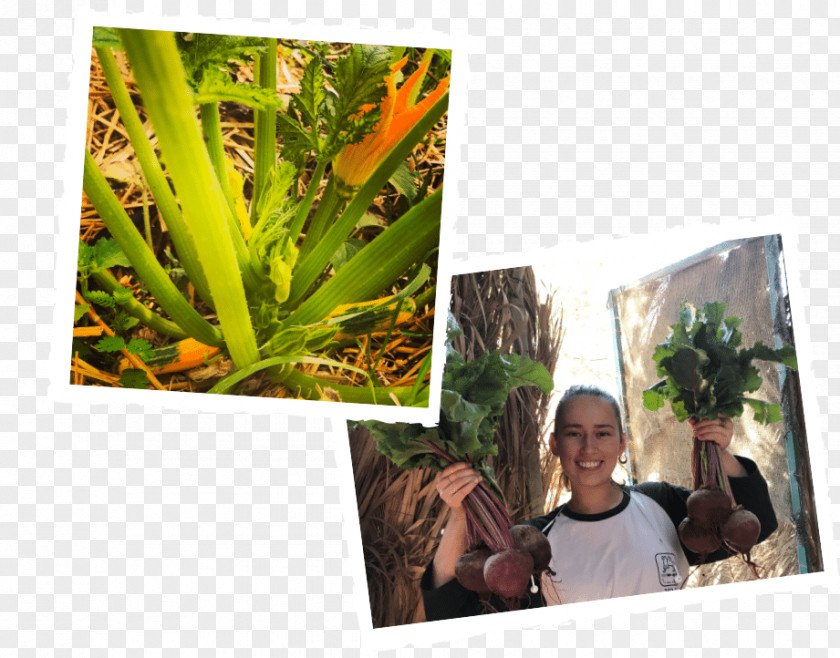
454	483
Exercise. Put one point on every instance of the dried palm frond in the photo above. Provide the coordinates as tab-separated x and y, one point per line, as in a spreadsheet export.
400	512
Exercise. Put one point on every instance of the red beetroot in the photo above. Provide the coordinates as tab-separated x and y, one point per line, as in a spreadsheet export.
508	573
469	570
709	507
527	538
697	538
741	530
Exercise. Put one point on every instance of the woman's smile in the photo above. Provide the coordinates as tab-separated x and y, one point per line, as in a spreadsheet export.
589	465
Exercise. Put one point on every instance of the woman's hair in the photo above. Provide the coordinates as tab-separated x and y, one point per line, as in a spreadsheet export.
576	391
580	390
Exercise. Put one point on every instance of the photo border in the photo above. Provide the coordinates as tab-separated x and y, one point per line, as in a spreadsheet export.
426	634
68	226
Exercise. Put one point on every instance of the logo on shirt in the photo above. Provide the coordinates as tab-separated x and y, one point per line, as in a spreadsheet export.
669	575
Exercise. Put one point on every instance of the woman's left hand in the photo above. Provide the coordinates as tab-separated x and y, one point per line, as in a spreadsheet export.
720	431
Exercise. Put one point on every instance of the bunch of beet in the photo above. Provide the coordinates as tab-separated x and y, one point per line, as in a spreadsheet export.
713	519
502	558
508	570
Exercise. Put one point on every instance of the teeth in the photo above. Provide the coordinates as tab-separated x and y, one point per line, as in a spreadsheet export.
589	464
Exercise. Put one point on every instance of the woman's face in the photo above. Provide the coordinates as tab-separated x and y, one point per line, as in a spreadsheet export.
588	441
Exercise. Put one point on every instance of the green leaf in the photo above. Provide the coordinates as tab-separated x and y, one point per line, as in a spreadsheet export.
207	54
764	412
785	355
705	375
310	100
80	311
296	141
216	86
652	398
140	347
107	254
750	379
359	81
686	367
122	295
106	37
473	397
133	378
110	344
686	315
403	180
730	335
100	298
713	314
346	251
123	322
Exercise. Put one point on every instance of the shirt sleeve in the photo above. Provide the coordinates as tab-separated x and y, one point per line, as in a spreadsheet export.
452	599
750	491
448	601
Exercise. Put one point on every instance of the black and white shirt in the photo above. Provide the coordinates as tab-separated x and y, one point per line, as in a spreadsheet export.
631	549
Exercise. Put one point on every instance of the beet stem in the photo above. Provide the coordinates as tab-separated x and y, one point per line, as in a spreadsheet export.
491	519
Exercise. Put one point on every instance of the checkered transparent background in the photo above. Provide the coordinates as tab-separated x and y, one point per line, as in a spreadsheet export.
131	532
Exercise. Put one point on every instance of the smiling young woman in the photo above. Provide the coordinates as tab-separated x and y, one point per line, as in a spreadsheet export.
608	539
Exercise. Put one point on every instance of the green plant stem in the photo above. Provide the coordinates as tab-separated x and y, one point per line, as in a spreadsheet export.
142	259
147	222
160	77
273	362
134	308
378	264
153	172
211	126
315	262
311	388
426	298
425	366
324	216
306	203
265	125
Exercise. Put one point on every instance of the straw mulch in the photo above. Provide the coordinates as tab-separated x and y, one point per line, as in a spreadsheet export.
400	513
393	359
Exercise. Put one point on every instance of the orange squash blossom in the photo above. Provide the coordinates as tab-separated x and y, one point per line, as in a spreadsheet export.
356	162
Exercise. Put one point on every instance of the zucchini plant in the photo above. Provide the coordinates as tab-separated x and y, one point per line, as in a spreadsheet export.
279	275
